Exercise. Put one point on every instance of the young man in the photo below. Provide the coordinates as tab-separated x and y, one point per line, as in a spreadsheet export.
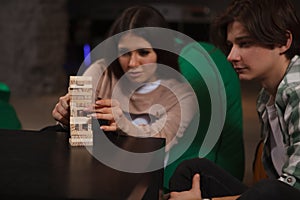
261	40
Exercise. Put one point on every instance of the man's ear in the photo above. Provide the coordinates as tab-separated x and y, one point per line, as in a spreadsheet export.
288	43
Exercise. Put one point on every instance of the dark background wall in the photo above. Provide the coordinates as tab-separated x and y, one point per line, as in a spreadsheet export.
42	40
33	36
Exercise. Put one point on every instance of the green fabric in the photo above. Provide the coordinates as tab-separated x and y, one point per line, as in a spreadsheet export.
4	92
229	150
8	115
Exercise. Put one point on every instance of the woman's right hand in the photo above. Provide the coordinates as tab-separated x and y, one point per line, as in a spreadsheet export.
61	111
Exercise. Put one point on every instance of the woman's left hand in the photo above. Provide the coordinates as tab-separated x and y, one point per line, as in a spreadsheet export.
107	109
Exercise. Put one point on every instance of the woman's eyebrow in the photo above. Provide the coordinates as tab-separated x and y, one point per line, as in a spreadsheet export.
120	48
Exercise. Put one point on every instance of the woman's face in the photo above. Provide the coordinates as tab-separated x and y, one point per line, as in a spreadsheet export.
139	63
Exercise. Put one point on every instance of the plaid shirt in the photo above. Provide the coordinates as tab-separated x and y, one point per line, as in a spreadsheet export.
287	104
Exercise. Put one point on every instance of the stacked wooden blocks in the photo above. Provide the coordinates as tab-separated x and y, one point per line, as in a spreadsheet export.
81	97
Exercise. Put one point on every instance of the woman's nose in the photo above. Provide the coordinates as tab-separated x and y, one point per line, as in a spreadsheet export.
133	62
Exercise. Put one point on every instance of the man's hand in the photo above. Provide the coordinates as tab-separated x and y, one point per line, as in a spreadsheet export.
193	194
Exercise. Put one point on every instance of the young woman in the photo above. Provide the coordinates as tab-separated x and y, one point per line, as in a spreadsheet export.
137	95
262	41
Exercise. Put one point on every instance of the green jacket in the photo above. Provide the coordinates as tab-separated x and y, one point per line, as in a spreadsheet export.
228	151
8	115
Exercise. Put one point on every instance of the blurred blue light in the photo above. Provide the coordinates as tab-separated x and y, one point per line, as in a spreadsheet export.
86	54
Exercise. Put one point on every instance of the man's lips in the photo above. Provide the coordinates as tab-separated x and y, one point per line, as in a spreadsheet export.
239	69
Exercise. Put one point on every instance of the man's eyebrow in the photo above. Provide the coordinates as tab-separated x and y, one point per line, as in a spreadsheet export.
244	37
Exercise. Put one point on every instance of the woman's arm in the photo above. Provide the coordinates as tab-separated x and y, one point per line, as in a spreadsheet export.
173	114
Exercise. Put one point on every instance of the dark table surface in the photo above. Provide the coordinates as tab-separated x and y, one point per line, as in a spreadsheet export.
43	165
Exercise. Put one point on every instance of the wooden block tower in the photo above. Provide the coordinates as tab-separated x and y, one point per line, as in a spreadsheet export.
81	97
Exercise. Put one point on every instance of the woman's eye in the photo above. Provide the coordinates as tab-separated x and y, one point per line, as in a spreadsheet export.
124	53
143	52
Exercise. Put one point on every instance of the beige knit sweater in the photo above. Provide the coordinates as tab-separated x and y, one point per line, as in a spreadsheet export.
170	107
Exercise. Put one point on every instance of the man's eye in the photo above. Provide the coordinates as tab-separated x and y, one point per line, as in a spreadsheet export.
246	44
229	45
143	52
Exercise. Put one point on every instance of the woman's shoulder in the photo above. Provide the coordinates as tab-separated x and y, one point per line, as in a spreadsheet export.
178	85
96	67
175	87
98	71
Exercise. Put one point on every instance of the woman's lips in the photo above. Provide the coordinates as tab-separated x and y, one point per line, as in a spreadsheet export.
134	74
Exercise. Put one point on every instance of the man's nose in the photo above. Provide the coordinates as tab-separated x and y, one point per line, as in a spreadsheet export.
233	54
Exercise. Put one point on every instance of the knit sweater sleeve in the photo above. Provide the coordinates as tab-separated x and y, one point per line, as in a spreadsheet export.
173	112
